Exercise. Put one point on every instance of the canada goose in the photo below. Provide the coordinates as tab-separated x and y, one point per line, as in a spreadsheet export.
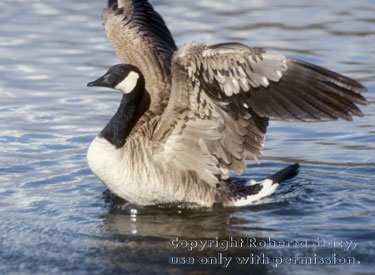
219	101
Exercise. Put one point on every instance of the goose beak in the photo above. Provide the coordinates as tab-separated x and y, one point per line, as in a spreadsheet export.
102	81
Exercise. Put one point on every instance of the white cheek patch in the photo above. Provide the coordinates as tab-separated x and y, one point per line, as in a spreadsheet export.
129	83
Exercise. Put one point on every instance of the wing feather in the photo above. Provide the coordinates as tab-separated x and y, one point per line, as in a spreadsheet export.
223	95
141	38
271	84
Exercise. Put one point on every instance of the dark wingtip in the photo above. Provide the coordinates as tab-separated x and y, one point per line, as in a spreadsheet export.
287	173
110	3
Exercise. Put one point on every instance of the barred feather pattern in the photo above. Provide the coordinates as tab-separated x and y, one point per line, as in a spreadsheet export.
222	97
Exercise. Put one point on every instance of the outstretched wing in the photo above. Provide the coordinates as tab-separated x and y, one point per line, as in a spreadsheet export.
271	85
141	38
223	95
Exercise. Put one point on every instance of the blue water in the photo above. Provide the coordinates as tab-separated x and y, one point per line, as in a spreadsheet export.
54	215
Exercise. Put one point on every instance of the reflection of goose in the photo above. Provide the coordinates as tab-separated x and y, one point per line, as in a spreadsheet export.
221	98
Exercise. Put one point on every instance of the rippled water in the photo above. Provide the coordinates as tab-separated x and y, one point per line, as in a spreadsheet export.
54	217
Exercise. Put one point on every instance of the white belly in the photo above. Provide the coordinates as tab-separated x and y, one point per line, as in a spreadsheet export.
125	172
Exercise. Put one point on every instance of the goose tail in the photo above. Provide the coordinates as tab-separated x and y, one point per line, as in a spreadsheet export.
254	191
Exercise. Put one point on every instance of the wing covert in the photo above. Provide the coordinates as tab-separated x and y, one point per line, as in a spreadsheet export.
270	84
197	134
223	95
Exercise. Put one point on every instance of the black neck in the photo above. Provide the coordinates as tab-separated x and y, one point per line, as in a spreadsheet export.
130	110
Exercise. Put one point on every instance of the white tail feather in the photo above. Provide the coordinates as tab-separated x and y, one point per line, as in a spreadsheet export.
268	188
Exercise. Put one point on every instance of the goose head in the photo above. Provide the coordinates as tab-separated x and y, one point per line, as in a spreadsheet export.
123	77
135	101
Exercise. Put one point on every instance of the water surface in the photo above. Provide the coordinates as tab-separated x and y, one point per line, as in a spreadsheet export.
54	217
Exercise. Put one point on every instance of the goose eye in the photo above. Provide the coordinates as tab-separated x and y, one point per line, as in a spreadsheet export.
122	71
